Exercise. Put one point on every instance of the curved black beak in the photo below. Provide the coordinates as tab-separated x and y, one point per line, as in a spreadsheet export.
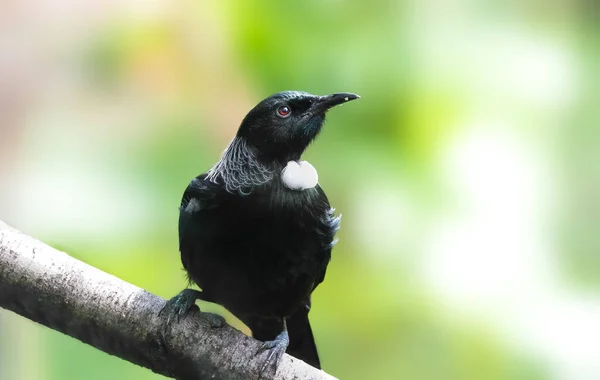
324	103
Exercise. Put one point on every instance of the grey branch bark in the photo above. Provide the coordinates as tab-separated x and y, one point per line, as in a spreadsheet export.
67	295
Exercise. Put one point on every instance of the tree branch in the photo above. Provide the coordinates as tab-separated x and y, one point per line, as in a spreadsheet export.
67	295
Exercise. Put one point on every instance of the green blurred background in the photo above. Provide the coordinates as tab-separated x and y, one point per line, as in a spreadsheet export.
468	173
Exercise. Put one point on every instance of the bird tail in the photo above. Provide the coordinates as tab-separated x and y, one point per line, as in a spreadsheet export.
302	342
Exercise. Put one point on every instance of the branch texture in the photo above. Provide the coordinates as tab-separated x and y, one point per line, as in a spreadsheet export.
67	295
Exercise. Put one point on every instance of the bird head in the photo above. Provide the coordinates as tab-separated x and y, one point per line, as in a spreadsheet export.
281	126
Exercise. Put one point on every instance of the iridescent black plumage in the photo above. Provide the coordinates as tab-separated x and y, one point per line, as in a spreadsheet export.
252	244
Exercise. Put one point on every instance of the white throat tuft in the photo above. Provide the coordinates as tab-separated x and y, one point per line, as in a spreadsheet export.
299	175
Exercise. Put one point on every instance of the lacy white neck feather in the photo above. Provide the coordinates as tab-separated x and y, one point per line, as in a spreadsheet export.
239	169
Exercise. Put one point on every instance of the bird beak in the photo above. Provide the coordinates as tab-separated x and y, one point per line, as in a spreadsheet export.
324	103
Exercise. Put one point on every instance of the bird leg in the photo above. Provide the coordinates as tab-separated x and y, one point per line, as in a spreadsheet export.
276	349
184	302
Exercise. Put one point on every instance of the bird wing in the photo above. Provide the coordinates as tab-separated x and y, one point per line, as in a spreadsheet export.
328	225
199	197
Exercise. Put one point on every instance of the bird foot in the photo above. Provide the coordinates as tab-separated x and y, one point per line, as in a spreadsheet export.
276	348
214	320
179	305
183	303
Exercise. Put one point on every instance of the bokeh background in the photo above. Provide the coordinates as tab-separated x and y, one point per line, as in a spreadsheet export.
468	173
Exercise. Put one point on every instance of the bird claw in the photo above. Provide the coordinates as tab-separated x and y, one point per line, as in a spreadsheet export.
179	305
184	302
214	320
276	350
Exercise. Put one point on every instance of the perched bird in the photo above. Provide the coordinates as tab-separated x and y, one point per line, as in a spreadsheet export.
256	231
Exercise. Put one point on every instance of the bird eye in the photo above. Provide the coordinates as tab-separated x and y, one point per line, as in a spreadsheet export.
284	111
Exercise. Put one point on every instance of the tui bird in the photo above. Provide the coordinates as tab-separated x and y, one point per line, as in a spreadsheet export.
256	231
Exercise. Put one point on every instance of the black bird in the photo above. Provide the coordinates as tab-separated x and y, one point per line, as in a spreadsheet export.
256	231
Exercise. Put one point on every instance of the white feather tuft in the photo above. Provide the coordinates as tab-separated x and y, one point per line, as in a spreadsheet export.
299	175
